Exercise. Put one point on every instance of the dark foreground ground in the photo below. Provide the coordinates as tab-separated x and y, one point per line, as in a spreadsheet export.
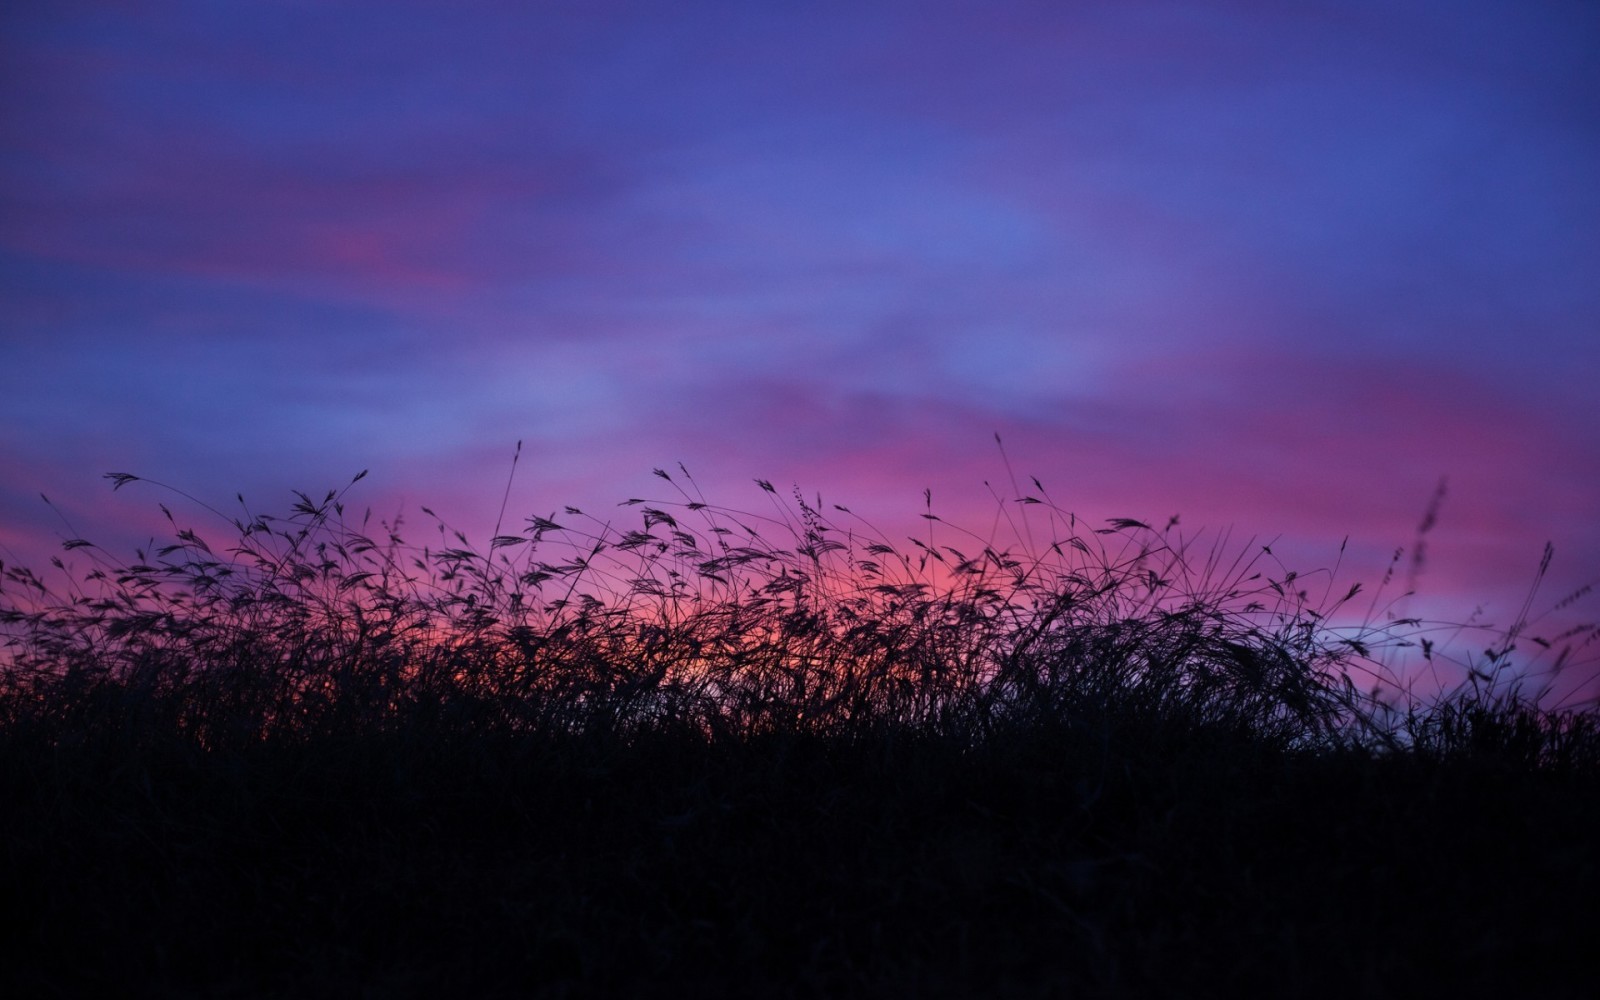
1123	862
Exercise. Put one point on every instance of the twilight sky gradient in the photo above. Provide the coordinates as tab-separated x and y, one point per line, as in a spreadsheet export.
1275	267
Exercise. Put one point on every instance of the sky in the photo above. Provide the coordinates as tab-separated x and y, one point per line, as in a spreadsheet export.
1276	268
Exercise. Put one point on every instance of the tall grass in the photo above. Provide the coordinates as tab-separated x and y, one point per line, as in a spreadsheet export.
683	615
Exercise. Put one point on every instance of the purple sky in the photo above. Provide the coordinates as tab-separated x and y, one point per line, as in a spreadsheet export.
1275	267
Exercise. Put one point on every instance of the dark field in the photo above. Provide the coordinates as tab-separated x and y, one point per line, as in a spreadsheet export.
684	759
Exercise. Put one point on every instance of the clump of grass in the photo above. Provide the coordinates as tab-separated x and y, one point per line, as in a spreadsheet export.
726	623
690	746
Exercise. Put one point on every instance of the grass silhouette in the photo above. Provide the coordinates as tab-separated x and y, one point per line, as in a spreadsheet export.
701	750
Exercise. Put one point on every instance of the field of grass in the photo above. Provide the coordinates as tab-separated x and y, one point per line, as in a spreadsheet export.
719	753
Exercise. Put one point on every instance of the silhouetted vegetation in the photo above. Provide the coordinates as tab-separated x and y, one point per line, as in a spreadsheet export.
711	752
